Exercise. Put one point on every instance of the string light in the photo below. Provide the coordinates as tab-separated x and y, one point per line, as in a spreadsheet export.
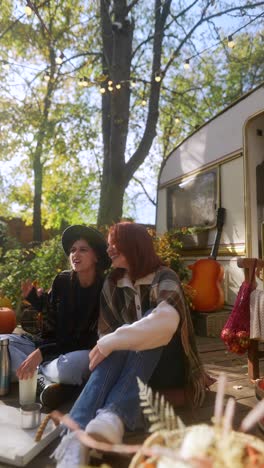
6	65
47	76
59	59
157	77
230	42
222	42
186	64
28	11
177	120
84	82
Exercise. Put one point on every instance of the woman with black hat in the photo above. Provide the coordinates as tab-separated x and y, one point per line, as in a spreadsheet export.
70	326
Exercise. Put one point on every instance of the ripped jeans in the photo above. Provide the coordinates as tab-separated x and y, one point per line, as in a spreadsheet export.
113	387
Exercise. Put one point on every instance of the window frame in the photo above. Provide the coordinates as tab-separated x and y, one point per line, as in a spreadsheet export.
190	177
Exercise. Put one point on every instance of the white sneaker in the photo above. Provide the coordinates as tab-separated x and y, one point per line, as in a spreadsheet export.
68	452
106	427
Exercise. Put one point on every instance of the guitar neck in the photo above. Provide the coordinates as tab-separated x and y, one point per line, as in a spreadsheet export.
214	250
219	224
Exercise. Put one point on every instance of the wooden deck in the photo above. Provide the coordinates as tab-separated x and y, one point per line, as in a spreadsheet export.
216	360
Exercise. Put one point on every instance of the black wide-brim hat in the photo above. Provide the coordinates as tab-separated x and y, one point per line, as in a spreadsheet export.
94	238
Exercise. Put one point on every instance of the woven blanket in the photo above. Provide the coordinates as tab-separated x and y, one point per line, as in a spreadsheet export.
257	315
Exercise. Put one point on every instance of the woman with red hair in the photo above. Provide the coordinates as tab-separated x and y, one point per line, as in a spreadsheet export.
144	329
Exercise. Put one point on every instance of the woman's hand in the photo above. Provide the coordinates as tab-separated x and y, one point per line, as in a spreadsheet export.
95	357
26	288
27	368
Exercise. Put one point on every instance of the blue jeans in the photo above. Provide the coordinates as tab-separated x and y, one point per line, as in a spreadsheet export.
70	368
113	387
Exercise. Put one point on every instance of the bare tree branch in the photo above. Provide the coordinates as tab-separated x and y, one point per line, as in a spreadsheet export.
138	181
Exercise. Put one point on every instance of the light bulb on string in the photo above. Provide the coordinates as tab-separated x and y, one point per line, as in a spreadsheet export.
144	102
133	84
28	10
230	42
118	86
85	82
102	90
47	76
110	82
177	120
110	88
80	82
59	59
6	65
157	77
186	64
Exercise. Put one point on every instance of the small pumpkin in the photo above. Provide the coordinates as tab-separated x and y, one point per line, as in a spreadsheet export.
7	320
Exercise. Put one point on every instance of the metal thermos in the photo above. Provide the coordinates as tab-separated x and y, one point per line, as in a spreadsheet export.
5	367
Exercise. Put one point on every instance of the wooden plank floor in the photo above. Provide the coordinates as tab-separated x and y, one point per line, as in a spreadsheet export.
216	360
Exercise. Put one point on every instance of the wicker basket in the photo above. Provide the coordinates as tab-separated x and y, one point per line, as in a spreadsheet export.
173	440
210	323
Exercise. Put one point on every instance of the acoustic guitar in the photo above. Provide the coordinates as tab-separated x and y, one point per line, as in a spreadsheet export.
207	275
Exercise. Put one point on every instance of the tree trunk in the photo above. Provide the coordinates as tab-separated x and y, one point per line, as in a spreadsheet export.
117	50
117	55
111	204
38	169
43	131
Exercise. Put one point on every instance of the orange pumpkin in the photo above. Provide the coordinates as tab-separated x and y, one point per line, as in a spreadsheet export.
7	320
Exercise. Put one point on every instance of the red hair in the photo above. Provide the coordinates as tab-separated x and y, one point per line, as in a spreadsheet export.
135	243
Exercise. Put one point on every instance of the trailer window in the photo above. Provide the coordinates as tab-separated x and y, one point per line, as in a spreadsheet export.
192	202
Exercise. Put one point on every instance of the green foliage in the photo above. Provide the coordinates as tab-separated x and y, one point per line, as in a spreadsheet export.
168	247
63	121
47	129
213	82
3	234
6	242
39	263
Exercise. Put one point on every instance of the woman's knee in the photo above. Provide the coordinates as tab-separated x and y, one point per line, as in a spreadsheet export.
73	368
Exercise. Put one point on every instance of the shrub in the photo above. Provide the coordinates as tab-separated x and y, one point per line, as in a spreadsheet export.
168	248
38	263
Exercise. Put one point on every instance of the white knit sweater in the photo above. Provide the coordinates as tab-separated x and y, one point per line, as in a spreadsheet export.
152	331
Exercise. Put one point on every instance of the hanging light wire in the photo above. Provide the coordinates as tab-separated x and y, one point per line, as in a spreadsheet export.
132	82
230	35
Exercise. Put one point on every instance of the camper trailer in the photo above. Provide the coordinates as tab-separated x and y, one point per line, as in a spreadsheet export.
221	165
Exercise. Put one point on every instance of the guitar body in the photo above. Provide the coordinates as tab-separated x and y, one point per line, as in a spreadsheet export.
207	275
